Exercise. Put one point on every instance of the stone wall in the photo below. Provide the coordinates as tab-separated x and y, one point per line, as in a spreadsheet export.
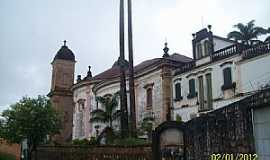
94	152
226	130
12	149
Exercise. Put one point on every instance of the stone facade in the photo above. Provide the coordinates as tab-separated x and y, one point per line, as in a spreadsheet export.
61	95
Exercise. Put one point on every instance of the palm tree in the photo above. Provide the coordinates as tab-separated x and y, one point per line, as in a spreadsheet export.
108	112
268	38
247	33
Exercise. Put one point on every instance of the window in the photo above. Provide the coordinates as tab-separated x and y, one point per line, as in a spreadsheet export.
227	75
192	92
227	78
199	50
81	105
207	47
177	88
209	91
201	93
149	97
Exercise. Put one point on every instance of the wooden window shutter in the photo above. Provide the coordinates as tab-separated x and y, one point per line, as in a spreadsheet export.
199	50
177	91
227	76
192	87
201	93
149	97
206	47
209	91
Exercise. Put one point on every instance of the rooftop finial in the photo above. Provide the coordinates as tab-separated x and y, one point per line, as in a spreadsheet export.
89	73
79	78
166	49
65	42
209	27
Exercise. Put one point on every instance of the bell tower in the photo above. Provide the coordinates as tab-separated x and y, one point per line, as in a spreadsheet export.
63	66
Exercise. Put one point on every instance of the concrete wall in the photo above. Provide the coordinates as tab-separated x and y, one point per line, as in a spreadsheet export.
254	73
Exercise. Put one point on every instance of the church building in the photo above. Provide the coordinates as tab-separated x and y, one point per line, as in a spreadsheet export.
221	72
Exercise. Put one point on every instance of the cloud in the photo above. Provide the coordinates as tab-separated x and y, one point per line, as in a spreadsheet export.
32	32
2	108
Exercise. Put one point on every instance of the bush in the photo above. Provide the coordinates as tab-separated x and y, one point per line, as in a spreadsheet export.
178	118
82	142
130	141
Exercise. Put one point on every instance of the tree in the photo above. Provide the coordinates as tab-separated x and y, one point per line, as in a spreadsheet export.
31	119
246	33
147	126
108	112
178	118
267	39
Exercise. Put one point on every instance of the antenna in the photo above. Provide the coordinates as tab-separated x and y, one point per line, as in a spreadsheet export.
202	21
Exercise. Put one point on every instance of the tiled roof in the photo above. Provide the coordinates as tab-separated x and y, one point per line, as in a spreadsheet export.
114	72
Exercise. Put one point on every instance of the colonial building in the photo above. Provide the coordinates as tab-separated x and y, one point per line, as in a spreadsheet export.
152	92
221	72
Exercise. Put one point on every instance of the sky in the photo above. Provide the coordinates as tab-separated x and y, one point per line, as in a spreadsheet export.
32	31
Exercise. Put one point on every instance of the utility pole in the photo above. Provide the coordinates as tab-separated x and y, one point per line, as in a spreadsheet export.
122	64
131	73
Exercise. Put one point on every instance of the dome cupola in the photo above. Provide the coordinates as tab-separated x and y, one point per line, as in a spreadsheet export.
65	53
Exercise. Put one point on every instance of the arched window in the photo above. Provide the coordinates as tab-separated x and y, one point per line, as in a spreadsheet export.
149	97
177	88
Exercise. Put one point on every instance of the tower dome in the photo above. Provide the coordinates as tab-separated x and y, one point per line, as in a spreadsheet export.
65	53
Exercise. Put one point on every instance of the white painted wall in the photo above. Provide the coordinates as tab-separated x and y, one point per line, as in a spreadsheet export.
219	44
249	75
140	91
84	93
140	95
255	73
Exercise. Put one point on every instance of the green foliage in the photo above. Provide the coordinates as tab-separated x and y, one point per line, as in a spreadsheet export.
108	112
246	33
84	142
147	125
31	119
80	142
178	118
129	141
267	39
